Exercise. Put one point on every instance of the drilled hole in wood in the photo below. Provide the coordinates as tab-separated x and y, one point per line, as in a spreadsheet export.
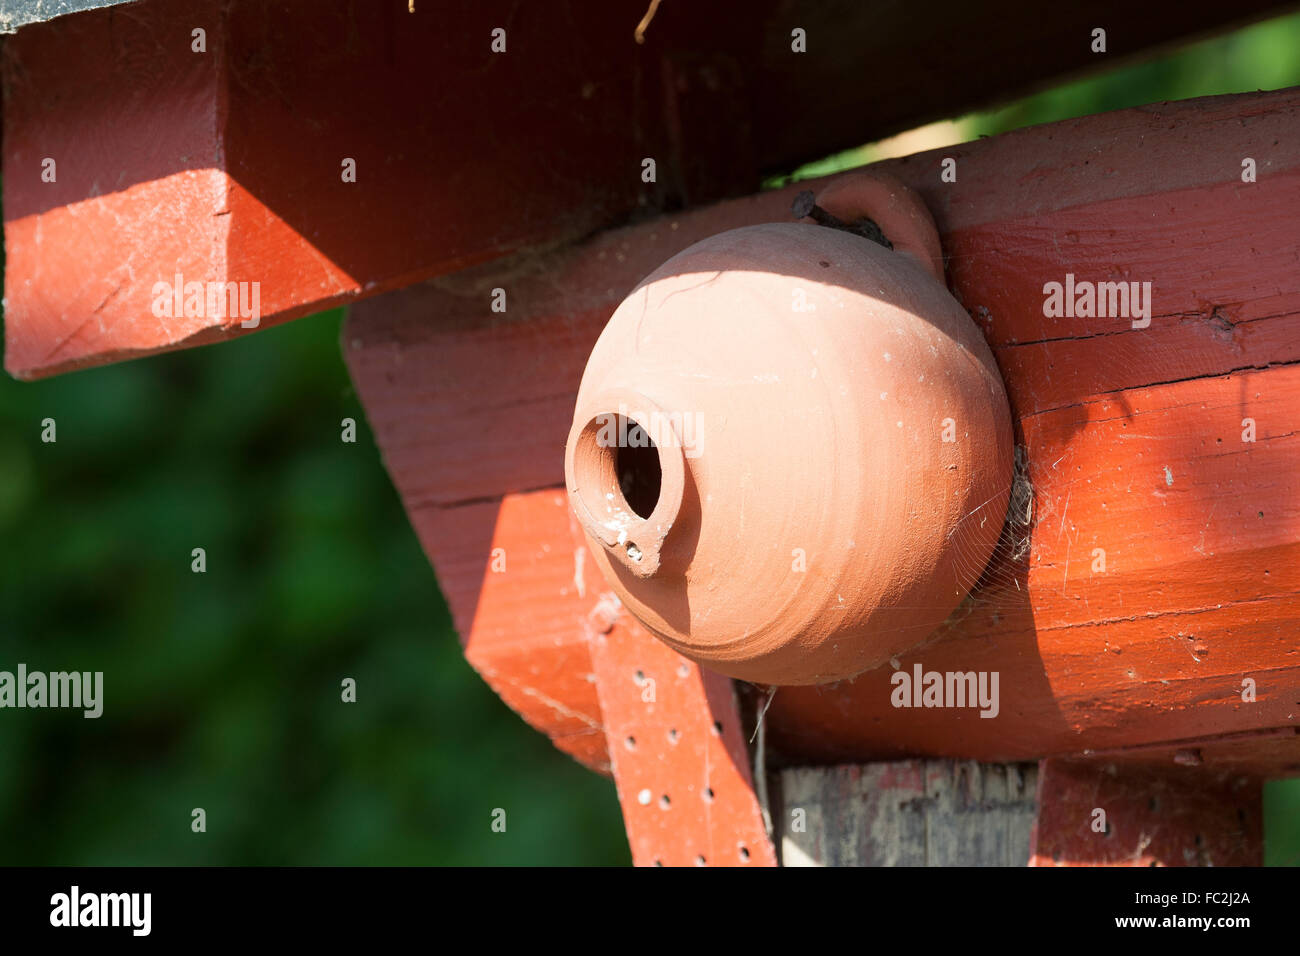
700	861
665	802
629	743
744	853
717	727
674	735
708	794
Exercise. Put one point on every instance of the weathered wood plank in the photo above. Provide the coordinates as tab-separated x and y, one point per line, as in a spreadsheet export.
126	123
1199	588
19	13
1258	754
908	813
1098	814
1199	591
1056	813
225	165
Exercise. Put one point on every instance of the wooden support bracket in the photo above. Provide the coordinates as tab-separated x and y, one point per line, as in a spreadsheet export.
678	752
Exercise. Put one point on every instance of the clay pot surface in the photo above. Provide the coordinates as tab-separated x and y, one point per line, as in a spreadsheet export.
832	445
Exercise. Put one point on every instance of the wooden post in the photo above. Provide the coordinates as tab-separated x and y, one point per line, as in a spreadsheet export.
1055	813
1098	813
908	813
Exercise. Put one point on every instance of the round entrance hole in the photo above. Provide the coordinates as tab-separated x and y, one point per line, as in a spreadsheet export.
639	474
621	478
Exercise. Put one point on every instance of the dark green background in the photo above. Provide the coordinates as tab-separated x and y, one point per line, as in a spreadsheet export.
222	689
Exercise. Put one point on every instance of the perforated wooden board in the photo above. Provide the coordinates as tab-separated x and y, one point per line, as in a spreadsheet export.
679	756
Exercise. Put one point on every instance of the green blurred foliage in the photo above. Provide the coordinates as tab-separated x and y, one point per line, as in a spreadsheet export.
1265	56
1282	823
222	690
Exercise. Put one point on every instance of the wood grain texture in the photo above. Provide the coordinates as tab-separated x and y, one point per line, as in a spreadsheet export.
1199	592
1099	814
225	165
19	13
132	121
679	757
494	560
1133	436
908	813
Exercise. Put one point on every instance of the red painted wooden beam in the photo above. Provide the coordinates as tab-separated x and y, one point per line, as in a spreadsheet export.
1133	441
226	164
533	654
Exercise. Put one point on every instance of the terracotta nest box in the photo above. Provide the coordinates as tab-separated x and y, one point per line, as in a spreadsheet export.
792	449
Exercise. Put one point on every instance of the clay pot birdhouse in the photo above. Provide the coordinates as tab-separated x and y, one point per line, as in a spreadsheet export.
792	450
